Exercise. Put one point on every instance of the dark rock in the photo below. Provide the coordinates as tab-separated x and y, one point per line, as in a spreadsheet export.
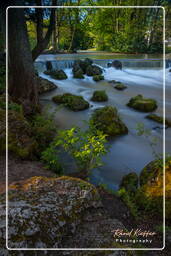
116	64
109	65
170	70
82	64
45	85
73	102
112	81
93	70
79	74
159	119
106	119
142	104
49	65
56	74
130	182
99	96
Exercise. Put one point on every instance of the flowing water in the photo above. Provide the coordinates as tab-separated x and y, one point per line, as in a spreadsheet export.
142	76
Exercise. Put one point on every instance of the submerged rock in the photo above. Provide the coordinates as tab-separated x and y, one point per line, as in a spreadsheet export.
99	96
130	182
73	102
78	74
49	65
142	104
120	86
43	212
98	78
56	74
107	120
45	85
159	119
93	70
116	64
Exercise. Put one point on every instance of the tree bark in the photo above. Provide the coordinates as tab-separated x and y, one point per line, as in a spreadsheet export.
43	43
22	80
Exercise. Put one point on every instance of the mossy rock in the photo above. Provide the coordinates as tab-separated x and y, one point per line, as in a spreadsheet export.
150	194
99	96
45	85
106	119
158	119
120	86
82	64
56	74
93	70
130	182
98	78
142	104
20	137
73	102
78	74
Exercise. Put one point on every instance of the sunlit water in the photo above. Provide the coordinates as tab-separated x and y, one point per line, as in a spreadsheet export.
129	152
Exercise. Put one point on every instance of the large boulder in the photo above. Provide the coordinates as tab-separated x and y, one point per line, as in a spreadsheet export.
55	213
150	194
82	64
142	104
78	73
99	96
93	70
106	119
116	64
58	74
73	102
45	85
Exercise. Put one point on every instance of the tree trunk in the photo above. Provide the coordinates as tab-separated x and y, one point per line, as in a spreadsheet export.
22	80
41	45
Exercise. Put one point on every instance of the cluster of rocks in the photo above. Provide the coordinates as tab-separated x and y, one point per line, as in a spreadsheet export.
86	67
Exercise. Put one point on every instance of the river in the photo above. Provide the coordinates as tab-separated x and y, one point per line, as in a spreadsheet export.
142	74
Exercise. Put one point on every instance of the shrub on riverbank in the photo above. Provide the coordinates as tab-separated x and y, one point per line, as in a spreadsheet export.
142	104
106	119
99	96
73	102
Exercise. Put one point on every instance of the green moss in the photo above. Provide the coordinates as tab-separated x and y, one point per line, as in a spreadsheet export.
98	78
158	119
78	74
130	182
73	102
142	104
93	70
99	96
56	74
107	120
120	86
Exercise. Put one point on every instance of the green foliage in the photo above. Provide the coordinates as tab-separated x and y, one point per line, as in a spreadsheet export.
51	159
86	147
126	197
43	129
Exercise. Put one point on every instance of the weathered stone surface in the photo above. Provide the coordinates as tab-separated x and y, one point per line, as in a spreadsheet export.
116	64
45	85
107	120
98	78
120	86
56	213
